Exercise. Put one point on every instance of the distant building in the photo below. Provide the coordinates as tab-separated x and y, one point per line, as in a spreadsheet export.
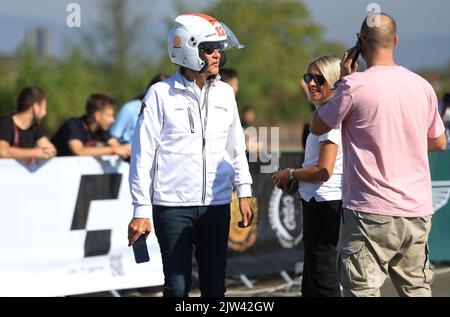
39	39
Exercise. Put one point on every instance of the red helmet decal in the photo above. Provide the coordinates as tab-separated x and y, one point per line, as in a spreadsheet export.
204	16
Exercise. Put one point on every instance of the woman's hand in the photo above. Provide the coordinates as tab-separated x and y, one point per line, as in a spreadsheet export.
281	179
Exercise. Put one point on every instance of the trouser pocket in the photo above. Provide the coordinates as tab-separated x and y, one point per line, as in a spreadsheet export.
351	264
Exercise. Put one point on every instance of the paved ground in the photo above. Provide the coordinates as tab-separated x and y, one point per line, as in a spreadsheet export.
276	286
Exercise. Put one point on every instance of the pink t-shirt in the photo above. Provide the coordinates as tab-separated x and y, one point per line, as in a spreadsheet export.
387	115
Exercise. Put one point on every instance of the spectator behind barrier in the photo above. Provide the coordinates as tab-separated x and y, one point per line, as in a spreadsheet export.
88	135
251	138
123	128
21	136
231	77
445	114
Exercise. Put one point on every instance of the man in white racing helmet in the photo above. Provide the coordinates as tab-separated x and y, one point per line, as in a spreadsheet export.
188	150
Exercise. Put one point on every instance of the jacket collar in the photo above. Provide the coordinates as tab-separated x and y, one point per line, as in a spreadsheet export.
180	82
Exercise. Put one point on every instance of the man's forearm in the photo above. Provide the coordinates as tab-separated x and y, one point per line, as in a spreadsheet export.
95	152
45	143
438	144
19	153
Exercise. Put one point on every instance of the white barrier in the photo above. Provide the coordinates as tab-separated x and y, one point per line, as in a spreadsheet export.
63	229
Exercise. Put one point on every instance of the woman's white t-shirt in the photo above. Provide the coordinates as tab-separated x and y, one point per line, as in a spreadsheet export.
331	189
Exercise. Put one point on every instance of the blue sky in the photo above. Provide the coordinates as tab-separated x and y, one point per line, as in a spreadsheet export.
422	25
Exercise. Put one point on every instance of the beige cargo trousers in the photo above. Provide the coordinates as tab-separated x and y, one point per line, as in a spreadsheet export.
372	247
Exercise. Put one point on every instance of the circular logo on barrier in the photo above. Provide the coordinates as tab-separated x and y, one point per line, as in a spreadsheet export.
242	239
176	41
285	218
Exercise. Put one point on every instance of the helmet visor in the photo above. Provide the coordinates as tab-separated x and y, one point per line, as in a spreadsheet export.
231	40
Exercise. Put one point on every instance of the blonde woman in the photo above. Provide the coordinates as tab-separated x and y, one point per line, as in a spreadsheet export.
320	188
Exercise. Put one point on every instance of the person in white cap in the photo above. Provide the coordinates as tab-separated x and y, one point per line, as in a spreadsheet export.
187	151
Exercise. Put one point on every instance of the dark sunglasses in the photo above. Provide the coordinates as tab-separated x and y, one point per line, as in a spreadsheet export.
318	79
210	47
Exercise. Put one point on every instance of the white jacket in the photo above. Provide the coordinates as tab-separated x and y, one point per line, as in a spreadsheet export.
182	156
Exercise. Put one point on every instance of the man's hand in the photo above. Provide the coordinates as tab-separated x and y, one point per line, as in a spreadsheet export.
49	151
46	149
246	212
123	150
346	63
45	153
136	228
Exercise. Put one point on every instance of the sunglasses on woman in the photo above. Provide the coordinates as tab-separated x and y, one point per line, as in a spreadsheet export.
318	79
210	47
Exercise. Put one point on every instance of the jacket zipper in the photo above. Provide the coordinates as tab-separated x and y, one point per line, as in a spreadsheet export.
204	171
203	138
204	124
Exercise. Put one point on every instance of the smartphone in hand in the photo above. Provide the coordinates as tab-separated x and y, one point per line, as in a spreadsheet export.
357	52
140	250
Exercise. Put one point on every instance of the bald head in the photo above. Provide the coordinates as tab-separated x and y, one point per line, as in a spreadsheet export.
379	30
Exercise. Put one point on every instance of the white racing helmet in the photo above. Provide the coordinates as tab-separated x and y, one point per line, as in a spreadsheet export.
193	35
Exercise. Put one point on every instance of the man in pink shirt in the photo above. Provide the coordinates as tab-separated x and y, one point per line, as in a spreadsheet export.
390	120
